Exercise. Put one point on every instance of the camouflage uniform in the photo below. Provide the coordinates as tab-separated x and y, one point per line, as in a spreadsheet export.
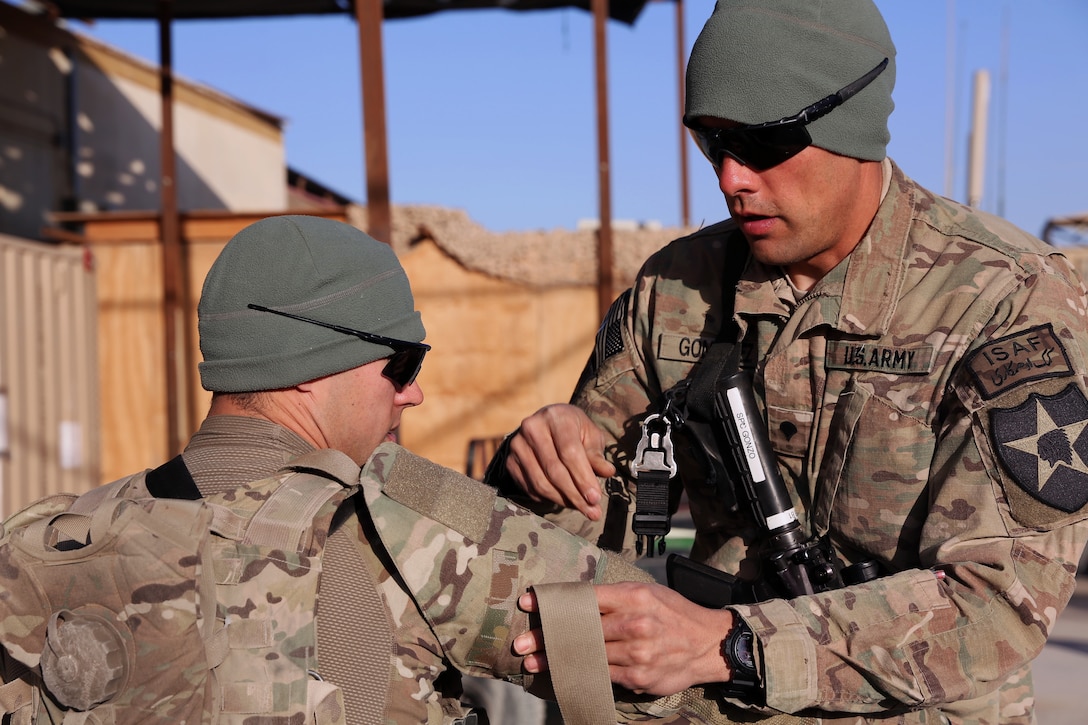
228	452
117	630
926	402
422	558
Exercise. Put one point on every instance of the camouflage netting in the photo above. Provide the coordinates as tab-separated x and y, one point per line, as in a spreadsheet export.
543	258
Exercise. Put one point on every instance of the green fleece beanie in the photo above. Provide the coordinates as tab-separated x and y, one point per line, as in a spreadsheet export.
308	266
761	60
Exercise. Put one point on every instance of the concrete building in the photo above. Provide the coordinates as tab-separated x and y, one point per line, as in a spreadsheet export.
79	131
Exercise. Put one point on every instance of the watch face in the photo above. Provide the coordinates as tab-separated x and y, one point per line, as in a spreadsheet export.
742	650
738	649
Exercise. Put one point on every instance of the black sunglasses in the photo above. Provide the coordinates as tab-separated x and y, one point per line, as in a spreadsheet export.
404	363
763	145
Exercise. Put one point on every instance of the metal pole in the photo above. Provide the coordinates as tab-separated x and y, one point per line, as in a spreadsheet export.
681	61
1002	111
950	101
172	273
368	16
976	161
604	231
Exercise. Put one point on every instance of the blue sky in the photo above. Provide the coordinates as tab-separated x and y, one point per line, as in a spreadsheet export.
493	111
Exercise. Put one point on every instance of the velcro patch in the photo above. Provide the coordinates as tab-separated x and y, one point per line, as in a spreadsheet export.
682	348
1033	354
439	493
610	334
900	360
1043	445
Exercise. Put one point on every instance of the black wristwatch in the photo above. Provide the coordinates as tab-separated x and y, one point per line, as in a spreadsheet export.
738	649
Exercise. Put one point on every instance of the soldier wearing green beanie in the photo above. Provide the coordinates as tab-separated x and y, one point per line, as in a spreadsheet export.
913	361
305	266
756	62
311	345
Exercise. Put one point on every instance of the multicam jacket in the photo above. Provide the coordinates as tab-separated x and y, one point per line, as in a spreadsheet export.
926	403
450	600
418	582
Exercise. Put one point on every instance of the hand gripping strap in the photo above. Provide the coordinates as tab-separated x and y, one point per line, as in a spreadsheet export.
574	641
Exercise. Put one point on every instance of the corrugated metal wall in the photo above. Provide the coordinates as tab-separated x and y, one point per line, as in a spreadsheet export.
49	414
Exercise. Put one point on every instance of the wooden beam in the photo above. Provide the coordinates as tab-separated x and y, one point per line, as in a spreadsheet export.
604	172
173	263
368	16
120	228
681	63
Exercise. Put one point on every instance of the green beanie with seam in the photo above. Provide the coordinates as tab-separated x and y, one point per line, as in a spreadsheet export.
757	61
309	266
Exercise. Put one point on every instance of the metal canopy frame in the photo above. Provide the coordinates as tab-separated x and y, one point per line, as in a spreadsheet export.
625	11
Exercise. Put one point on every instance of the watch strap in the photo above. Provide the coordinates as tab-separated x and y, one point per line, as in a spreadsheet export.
745	681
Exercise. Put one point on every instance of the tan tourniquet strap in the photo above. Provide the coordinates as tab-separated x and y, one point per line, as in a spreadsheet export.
574	641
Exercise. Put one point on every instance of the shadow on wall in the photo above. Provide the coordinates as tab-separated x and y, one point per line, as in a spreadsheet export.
77	136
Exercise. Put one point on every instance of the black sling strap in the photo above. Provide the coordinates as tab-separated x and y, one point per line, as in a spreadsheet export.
688	409
695	393
720	360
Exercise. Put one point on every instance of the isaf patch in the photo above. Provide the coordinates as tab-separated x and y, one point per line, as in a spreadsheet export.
1005	363
1043	444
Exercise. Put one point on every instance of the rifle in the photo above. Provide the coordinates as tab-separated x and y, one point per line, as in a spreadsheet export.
792	564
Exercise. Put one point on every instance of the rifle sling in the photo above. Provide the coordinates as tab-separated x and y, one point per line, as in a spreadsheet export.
695	394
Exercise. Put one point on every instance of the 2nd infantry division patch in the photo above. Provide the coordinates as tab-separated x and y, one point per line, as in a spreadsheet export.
1043	444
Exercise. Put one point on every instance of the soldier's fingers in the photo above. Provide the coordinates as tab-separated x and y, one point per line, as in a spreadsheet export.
527	460
523	467
614	597
579	443
529	643
581	451
553	484
527	602
552	458
593	442
603	467
535	664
